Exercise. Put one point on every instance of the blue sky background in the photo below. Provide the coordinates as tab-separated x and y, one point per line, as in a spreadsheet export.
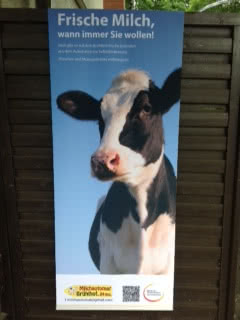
76	192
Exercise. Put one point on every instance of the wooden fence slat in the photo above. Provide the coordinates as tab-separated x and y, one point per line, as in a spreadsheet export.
34	184
216	120
204	108
202	143
207	45
215	32
200	177
12	40
33	163
200	132
201	84
207	71
31	87
22	104
212	19
205	96
205	209
207	58
198	188
42	27
202	155
32	117
35	174
48	152
27	66
23	15
31	139
198	199
31	128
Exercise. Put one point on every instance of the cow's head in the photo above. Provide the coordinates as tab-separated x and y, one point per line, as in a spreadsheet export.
130	122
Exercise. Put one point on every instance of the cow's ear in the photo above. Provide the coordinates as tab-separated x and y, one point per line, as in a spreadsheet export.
169	94
79	105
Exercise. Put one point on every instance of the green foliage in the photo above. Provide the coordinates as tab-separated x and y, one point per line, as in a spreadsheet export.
169	5
231	6
183	5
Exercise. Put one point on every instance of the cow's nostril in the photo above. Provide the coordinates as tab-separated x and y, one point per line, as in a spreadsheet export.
115	161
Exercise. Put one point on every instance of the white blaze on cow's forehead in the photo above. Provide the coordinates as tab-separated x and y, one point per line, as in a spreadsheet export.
123	91
131	78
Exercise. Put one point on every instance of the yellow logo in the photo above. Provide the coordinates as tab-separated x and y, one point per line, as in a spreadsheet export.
90	292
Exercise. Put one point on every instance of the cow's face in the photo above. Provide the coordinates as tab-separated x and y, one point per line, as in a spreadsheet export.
130	123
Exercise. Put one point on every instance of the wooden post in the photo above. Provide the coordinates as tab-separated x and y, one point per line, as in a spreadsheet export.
228	273
8	206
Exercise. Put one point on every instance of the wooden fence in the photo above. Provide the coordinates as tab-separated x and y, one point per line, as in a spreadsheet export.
206	219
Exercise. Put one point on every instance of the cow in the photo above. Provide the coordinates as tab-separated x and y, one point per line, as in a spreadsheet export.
133	231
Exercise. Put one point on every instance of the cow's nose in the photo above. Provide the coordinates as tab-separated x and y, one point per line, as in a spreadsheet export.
108	161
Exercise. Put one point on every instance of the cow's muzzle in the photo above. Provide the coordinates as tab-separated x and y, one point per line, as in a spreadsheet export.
105	164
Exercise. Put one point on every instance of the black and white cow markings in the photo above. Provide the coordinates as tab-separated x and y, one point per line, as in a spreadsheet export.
134	228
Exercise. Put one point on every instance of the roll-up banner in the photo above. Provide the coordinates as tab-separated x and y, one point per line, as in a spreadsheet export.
115	91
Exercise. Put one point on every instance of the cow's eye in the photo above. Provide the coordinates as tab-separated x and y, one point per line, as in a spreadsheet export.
147	108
